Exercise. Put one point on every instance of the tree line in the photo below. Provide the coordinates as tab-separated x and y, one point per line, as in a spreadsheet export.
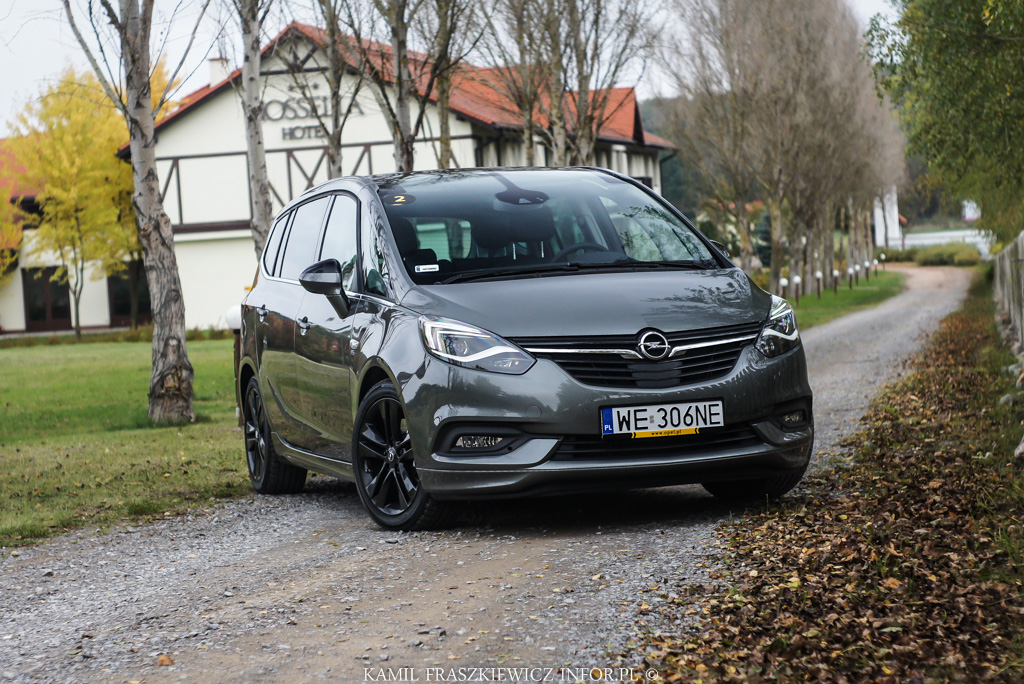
777	113
776	108
953	67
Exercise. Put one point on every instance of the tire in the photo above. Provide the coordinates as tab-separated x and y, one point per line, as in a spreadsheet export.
269	473
749	491
384	467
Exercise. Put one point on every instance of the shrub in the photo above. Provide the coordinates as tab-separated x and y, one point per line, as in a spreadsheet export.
894	255
952	254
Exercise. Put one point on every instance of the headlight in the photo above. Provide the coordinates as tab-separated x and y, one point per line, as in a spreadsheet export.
470	347
779	334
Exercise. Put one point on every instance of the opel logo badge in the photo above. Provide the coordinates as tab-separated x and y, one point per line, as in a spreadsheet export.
653	345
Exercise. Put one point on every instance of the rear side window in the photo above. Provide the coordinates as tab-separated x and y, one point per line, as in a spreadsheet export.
273	245
300	252
340	238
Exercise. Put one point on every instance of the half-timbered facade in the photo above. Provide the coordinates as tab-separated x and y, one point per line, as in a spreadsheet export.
203	169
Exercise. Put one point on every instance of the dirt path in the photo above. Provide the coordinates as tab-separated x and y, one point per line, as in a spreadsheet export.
305	588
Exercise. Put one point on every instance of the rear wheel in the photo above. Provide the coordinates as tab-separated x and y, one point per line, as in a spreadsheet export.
754	490
269	473
384	467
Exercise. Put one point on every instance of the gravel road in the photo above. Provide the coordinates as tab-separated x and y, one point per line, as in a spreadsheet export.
306	589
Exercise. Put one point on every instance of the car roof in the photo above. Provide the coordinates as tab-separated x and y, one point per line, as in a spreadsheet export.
383	180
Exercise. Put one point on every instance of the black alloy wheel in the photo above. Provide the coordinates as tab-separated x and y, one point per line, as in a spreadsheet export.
385	469
270	474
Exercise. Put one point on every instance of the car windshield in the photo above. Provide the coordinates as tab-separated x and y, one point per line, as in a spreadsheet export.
461	226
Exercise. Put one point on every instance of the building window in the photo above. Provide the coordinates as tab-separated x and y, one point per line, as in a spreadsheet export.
47	304
120	287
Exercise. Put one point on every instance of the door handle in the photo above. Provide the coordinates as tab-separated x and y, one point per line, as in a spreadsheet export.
261	311
303	324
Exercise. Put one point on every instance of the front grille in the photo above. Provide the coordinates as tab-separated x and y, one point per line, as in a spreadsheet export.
583	359
597	448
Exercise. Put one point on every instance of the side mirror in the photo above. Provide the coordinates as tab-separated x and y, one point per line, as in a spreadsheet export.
721	248
325	278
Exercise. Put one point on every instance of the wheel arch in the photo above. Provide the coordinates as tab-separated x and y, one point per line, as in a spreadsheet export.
374	374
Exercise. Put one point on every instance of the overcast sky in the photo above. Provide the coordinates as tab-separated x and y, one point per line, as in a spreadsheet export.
36	43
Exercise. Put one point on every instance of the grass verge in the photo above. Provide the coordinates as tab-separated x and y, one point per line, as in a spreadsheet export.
77	448
812	311
904	565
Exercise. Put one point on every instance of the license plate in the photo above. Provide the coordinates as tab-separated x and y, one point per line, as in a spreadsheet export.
662	420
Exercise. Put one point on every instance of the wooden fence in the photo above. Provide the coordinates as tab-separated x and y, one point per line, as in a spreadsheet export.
1009	283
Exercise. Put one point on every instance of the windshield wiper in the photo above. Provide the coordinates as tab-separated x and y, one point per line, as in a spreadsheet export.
670	265
526	272
575	267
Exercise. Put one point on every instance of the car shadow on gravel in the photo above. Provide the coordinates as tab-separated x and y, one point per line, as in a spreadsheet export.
568	513
677	506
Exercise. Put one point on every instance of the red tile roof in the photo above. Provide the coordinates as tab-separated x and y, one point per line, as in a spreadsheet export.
473	96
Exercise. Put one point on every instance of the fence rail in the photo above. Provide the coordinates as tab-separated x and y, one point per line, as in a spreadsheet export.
1009	283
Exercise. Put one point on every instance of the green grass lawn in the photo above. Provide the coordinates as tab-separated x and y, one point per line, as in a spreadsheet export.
77	448
938	223
812	311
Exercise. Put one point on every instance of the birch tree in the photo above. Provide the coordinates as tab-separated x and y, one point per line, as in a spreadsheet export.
713	116
511	46
450	31
402	82
251	15
125	30
604	39
337	59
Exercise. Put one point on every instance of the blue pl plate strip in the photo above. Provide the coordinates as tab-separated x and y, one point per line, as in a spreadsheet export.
607	428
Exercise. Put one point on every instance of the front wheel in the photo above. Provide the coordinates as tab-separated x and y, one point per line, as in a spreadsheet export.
384	468
745	491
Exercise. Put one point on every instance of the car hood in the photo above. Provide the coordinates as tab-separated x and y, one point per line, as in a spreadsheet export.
598	303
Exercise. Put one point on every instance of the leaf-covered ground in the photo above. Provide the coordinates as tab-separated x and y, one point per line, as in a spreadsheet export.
902	565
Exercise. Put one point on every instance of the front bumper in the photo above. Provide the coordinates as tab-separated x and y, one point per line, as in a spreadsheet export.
549	407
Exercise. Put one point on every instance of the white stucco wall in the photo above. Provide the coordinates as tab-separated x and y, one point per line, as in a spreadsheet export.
215	269
12	303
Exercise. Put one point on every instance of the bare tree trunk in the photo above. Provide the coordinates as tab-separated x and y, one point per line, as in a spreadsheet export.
403	140
797	246
170	384
746	244
444	83
250	16
528	140
76	293
885	221
777	235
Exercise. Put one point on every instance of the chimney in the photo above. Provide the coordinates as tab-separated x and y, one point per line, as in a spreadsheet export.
219	69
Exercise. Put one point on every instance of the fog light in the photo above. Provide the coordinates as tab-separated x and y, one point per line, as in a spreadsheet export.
478	441
794	418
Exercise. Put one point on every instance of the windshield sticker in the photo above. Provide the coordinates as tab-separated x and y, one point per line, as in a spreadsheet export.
428	268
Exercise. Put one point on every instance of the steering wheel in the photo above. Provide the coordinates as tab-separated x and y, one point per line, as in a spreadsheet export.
586	246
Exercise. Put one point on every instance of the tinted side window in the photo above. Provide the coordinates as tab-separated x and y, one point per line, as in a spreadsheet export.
340	238
300	252
274	243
